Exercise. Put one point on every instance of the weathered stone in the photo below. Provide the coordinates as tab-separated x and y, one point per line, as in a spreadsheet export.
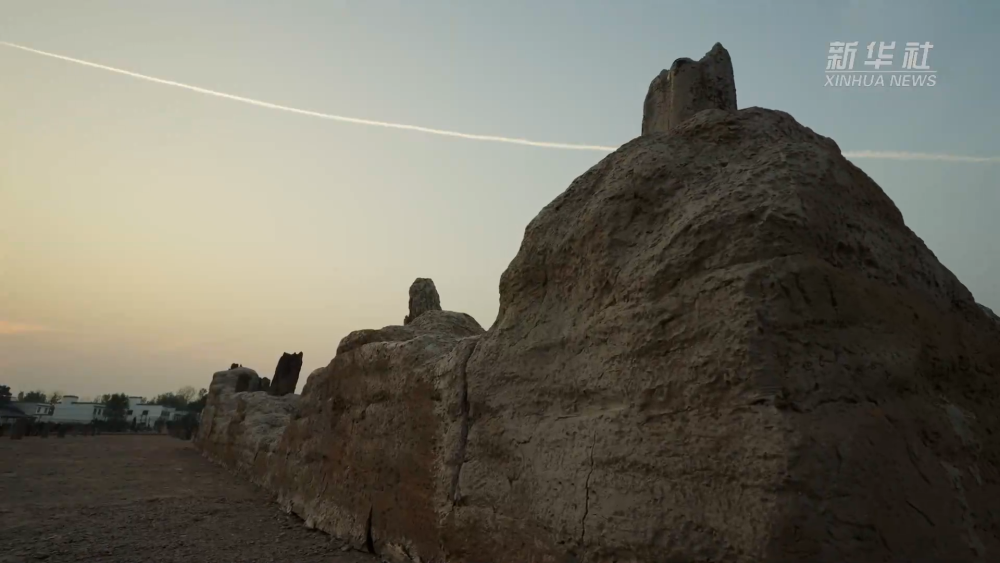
265	384
370	454
240	429
423	297
246	379
286	374
687	88
718	344
989	312
731	307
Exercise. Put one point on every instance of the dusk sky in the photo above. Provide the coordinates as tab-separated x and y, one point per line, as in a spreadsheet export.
151	235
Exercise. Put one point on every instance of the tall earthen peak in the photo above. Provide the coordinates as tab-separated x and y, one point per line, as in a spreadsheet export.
687	88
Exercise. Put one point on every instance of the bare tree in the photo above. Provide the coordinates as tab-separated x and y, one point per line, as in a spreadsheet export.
187	393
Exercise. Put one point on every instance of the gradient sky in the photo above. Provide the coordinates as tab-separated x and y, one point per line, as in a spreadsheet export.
150	236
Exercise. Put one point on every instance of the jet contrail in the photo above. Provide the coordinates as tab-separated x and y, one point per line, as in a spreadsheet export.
899	155
263	104
880	155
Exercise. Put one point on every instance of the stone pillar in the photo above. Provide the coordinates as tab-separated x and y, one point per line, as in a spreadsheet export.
688	88
423	297
286	374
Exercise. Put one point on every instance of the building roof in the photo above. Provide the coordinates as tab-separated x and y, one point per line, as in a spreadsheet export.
10	411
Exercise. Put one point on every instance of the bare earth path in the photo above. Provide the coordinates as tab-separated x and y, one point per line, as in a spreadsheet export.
141	498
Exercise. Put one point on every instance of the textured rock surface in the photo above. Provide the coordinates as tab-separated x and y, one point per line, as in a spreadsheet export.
719	344
687	88
724	344
989	312
369	456
244	379
240	429
423	297
286	374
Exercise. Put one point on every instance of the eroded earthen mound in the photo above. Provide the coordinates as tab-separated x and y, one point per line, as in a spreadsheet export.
720	343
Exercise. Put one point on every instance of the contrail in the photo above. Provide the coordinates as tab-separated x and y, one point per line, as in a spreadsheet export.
880	155
263	104
898	155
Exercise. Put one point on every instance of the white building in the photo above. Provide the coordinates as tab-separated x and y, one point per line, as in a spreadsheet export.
71	410
34	410
148	415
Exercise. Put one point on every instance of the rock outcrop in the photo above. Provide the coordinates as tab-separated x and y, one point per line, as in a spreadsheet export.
724	344
239	429
246	379
688	88
721	343
286	374
989	312
371	453
423	297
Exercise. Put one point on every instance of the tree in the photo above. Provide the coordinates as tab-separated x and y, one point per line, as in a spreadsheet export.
20	396
170	400
202	392
197	405
181	400
55	397
187	393
33	397
115	406
4	394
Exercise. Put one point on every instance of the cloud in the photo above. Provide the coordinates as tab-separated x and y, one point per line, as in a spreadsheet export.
880	155
8	328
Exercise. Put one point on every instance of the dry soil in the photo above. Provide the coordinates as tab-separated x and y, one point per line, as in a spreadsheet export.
138	499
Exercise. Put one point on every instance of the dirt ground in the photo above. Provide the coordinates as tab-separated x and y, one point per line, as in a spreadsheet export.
142	498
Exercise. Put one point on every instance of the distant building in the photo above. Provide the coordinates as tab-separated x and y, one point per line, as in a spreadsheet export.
148	415
9	414
70	410
33	410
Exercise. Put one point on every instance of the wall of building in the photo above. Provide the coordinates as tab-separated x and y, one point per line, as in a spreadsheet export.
147	415
34	410
69	410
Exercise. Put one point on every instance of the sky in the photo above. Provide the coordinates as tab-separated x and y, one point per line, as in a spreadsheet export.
151	235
